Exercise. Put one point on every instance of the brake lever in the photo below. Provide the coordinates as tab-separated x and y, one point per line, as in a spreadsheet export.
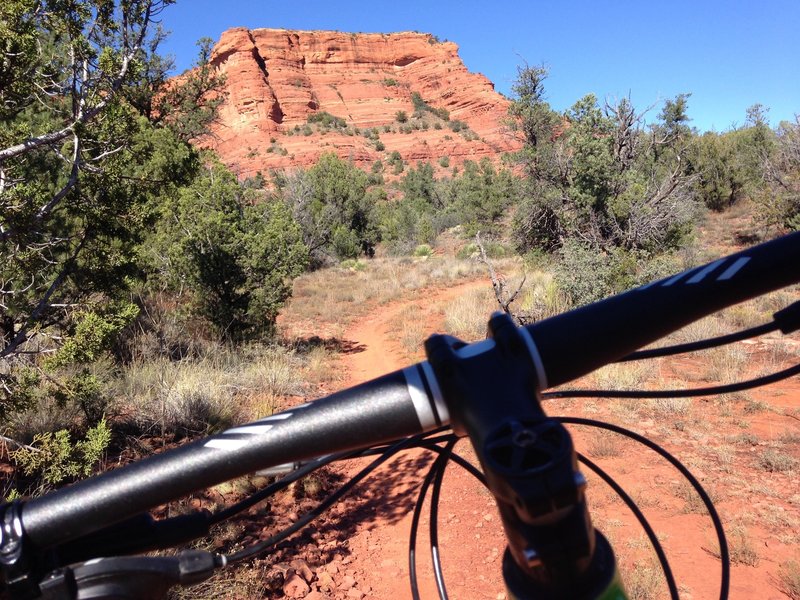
129	578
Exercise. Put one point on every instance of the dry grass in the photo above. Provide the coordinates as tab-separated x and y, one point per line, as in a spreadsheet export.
625	376
194	397
467	316
741	549
604	444
339	294
789	579
410	329
644	580
244	582
705	328
775	461
692	501
541	296
726	363
318	370
669	407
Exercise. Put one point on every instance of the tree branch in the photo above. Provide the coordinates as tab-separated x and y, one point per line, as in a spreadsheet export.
499	287
81	116
22	334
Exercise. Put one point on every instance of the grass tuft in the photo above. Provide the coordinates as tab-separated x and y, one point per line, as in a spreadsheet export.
789	579
775	461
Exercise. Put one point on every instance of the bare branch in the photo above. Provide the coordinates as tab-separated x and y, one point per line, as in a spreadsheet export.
16	444
499	286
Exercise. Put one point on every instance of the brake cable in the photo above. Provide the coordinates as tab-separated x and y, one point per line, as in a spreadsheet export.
679	393
712	511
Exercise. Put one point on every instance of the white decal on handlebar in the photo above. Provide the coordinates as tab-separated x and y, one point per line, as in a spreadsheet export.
674	279
250	429
475	349
734	268
255	428
419	397
438	399
225	444
701	274
428	403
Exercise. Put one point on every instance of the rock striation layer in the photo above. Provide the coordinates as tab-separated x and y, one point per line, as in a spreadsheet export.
293	95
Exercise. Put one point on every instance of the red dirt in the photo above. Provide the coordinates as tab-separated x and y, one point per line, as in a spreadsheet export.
469	533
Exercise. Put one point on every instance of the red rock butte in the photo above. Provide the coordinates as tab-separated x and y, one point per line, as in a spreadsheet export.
294	95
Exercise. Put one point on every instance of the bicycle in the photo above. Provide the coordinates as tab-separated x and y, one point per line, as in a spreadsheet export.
66	544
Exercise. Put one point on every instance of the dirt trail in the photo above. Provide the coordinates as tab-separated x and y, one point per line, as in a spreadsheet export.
469	528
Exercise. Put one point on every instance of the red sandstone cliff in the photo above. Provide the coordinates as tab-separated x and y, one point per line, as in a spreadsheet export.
276	79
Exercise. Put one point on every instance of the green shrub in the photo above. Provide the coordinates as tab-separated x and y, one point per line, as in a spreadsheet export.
586	275
444	161
493	250
457	126
420	106
327	120
423	250
401	116
93	334
353	264
233	259
52	458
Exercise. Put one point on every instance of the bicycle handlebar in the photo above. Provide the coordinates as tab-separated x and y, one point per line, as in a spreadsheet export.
406	402
579	341
375	412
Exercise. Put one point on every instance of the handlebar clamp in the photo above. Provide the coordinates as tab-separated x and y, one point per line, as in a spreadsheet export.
17	569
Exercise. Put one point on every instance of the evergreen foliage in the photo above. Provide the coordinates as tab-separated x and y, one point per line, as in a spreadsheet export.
81	166
779	203
334	208
96	174
477	199
52	457
234	257
597	174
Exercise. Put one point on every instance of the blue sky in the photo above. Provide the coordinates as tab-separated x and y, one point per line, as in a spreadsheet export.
728	55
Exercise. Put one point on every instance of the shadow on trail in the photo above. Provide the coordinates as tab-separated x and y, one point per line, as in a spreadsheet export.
336	345
382	499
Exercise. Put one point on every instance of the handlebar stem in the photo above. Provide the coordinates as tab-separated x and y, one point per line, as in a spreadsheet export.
492	393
